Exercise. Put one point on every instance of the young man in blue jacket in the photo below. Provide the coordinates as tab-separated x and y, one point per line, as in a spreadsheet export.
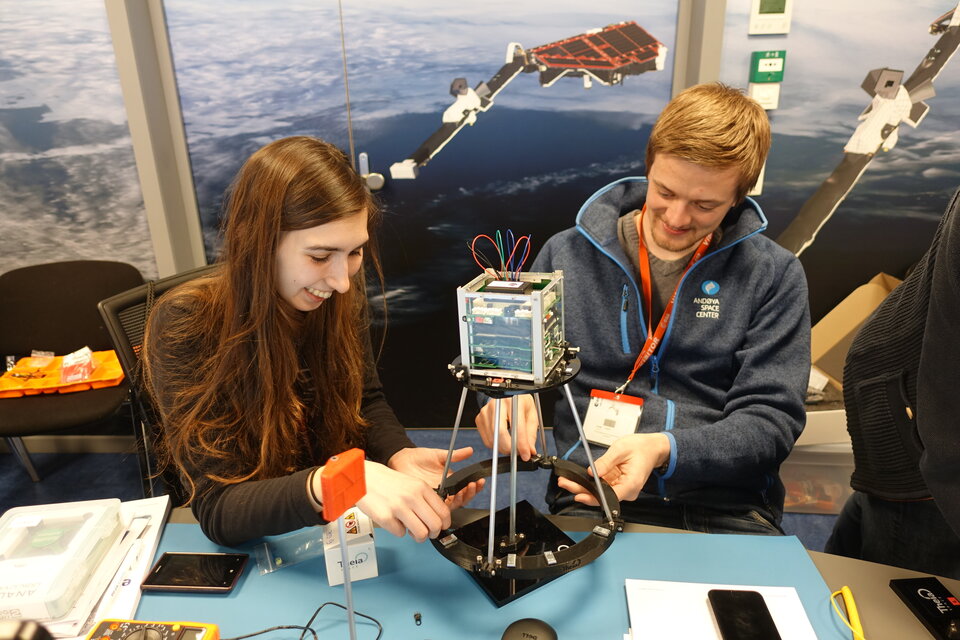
722	369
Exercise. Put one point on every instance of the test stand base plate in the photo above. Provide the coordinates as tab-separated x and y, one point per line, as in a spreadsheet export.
539	535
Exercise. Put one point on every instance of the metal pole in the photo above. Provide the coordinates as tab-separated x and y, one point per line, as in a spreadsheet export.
493	479
540	428
345	561
586	448
453	437
513	469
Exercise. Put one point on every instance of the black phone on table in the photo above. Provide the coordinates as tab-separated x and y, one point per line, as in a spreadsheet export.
196	572
742	615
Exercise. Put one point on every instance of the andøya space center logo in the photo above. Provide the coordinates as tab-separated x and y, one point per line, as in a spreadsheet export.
709	306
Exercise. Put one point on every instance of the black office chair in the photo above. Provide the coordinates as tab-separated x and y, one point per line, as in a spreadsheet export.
125	315
53	307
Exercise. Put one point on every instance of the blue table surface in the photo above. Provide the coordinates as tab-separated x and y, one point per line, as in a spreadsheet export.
587	603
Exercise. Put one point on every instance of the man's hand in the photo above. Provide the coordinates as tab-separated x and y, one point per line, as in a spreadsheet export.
625	466
427	465
526	428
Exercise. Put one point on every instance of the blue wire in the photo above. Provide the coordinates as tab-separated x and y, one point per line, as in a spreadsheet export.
526	252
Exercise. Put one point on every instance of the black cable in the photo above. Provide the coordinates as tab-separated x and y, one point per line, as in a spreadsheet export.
337	604
479	255
307	627
277	628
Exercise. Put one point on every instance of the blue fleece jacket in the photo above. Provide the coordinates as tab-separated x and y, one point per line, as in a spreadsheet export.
728	381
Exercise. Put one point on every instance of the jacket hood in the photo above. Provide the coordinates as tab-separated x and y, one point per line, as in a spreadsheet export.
598	215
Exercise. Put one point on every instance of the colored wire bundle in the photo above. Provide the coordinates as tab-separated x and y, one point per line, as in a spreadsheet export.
509	265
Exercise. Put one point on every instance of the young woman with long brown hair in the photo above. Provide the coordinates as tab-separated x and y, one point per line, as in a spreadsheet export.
263	370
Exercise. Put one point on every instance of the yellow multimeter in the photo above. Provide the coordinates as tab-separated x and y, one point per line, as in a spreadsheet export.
141	630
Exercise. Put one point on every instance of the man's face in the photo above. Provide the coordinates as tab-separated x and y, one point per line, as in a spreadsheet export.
685	203
315	263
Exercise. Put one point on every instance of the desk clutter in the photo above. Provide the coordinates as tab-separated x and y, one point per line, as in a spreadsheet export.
42	373
69	564
418	594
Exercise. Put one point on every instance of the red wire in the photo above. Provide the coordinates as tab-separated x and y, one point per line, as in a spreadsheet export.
472	250
515	245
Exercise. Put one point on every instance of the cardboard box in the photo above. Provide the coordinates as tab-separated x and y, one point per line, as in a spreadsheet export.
830	338
360	548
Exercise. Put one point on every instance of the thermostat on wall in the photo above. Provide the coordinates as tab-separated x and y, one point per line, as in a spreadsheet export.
770	16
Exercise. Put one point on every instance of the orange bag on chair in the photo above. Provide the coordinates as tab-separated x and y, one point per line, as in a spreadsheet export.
35	375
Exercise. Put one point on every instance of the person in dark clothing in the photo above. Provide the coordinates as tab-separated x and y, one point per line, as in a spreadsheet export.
900	386
263	370
674	295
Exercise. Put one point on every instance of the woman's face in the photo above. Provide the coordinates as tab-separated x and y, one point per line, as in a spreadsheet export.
314	263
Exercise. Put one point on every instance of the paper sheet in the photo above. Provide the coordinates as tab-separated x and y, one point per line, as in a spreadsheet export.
661	609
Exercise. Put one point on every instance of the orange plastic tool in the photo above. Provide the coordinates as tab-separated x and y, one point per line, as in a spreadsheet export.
343	483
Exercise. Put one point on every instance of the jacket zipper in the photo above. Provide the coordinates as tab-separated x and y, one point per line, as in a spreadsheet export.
624	305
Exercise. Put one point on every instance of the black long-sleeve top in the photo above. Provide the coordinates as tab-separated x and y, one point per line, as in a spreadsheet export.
901	382
233	514
938	380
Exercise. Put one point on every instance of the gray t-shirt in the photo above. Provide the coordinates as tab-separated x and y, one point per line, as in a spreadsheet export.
664	273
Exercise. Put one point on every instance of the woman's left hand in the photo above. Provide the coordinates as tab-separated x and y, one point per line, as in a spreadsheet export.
427	464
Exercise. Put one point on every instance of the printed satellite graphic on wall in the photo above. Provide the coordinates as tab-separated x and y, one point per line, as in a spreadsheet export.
893	102
604	55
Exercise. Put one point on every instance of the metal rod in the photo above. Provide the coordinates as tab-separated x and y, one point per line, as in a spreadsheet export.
346	87
513	469
540	428
493	479
345	561
453	437
586	448
20	451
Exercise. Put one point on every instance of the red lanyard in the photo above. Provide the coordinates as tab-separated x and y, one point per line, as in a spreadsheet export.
654	338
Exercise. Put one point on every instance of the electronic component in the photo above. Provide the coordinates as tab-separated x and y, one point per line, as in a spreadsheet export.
937	608
140	630
512	328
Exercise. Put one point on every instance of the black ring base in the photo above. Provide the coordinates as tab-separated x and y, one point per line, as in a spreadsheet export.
538	553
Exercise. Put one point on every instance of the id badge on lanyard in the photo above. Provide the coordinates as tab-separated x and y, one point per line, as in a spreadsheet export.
613	414
610	416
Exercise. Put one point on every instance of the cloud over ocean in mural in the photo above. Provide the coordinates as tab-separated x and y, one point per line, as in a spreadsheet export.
68	181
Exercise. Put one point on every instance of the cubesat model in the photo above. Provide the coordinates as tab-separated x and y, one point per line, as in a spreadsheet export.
511	331
512	343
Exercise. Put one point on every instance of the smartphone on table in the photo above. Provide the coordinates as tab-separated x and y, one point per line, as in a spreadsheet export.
195	572
742	615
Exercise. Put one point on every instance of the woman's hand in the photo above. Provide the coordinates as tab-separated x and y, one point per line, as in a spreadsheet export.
399	502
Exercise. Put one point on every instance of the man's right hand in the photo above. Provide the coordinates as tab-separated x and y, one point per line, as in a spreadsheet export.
526	427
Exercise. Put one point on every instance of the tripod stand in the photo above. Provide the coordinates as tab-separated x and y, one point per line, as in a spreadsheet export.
529	548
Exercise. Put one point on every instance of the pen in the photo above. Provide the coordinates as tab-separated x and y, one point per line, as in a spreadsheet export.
851	606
